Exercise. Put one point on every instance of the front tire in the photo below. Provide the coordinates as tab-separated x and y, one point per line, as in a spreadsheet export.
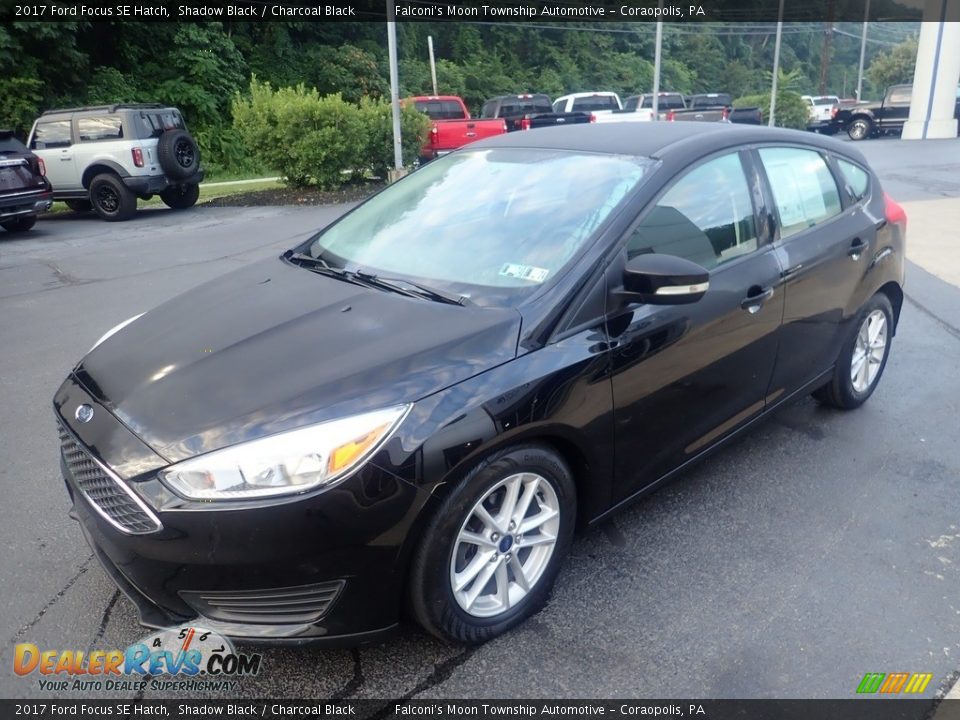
181	197
862	358
111	199
20	224
491	553
859	129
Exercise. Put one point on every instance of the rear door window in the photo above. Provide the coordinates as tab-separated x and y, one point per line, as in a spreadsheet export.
92	129
804	190
51	135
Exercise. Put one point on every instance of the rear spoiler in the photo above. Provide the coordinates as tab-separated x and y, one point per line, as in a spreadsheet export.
6	134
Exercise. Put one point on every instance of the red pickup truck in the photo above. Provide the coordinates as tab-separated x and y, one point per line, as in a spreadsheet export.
452	125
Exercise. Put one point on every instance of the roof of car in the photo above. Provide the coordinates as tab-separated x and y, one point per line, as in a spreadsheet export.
658	138
104	109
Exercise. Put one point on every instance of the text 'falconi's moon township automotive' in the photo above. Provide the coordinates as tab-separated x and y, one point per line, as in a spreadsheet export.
413	410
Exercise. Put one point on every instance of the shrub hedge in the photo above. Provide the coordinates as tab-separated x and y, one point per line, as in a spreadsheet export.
322	140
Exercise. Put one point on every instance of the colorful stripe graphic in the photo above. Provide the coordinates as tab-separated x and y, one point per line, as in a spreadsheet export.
894	683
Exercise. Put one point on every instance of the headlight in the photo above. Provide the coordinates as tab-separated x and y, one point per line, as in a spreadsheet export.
287	463
114	330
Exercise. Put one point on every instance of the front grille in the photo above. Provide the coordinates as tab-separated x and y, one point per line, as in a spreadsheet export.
275	606
108	495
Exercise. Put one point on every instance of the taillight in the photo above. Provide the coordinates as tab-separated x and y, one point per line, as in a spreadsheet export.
41	166
525	123
434	134
137	156
833	112
671	115
894	211
593	118
726	113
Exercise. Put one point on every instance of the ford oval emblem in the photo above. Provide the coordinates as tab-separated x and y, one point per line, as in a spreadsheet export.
84	413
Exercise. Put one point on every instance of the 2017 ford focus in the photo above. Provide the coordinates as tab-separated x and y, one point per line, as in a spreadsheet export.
414	409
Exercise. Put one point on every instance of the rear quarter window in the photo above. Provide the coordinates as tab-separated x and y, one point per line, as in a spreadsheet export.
857	179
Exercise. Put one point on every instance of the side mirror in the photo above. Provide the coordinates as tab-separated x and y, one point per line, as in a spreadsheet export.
664	280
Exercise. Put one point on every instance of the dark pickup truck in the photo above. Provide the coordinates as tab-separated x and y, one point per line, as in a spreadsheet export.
712	101
528	112
706	107
881	118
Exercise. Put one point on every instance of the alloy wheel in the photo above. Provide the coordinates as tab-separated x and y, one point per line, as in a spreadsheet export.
504	545
868	351
108	199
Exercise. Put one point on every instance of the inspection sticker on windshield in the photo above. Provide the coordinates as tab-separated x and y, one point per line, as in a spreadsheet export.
524	272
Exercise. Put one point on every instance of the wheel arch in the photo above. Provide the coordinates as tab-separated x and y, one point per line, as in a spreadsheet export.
894	293
100	167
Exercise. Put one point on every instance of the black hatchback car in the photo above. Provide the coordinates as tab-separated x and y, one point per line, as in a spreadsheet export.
416	407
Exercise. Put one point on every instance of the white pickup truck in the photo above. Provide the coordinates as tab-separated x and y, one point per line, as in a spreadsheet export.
604	106
822	111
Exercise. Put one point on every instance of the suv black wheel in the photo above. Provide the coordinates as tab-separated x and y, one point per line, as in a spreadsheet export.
862	358
80	206
180	197
179	154
492	550
111	199
20	224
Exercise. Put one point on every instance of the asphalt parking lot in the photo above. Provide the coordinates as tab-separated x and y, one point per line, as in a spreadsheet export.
822	546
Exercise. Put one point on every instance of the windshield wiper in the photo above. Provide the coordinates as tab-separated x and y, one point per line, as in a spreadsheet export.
359	277
418	290
322	267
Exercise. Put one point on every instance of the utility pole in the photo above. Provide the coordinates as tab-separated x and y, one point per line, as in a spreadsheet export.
394	90
656	69
776	67
433	64
827	46
863	51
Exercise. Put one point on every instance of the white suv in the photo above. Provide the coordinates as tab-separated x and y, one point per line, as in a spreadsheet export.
103	158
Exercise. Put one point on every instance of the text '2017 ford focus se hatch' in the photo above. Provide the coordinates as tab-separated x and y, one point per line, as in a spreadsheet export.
416	407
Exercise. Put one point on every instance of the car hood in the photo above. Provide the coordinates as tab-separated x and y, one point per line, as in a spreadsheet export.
272	347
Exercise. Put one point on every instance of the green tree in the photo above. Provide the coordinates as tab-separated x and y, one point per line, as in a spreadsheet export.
894	66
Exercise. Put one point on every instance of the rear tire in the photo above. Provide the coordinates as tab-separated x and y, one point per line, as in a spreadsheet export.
111	199
859	129
20	224
181	197
80	206
508	525
862	358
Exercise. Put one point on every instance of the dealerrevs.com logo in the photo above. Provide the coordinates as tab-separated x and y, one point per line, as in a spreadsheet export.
894	683
184	658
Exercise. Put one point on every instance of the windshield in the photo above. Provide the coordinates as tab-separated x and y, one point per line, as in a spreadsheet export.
487	223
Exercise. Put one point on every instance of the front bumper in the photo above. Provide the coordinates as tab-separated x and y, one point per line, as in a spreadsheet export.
30	203
322	567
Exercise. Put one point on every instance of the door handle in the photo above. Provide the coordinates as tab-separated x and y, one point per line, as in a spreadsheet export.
857	248
791	271
65	158
756	298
